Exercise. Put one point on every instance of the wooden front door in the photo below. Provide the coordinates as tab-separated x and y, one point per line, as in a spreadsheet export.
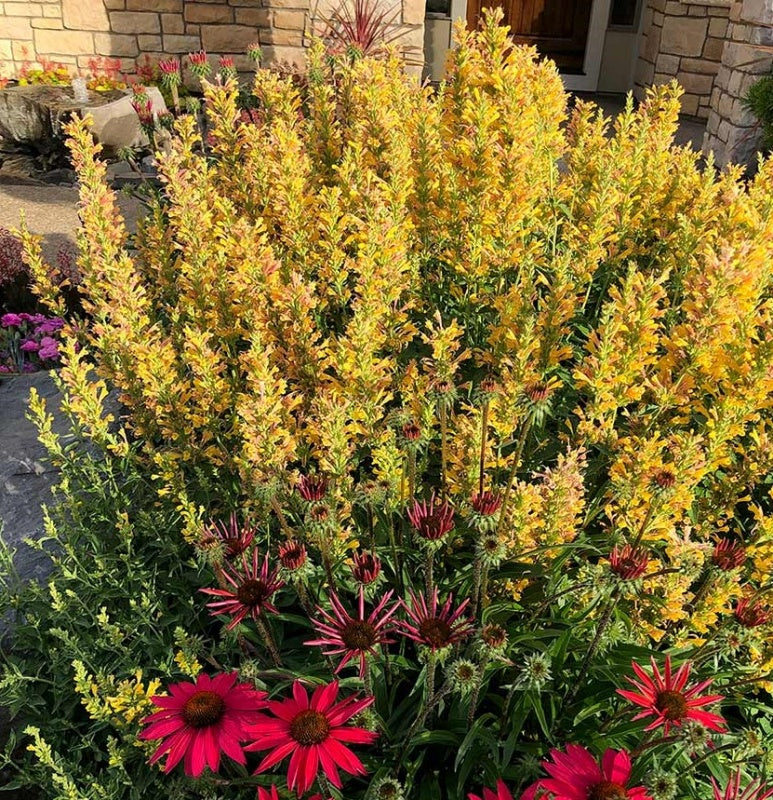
558	28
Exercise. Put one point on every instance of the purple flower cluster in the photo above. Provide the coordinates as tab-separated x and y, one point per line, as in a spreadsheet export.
29	342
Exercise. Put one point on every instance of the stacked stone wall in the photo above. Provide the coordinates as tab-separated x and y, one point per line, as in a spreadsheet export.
73	32
732	131
683	41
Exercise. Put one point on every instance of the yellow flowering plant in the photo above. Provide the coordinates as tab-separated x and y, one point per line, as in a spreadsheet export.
460	383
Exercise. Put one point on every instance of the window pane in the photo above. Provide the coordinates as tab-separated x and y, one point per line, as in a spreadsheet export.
623	12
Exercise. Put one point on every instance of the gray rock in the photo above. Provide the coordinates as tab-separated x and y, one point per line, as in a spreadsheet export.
116	124
25	476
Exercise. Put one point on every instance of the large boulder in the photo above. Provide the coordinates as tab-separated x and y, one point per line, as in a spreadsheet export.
32	117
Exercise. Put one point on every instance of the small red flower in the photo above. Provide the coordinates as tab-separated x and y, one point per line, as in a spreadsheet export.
312	488
576	775
412	431
486	503
366	567
432	522
728	555
433	627
355	637
733	791
170	66
200	721
751	614
502	793
265	794
313	733
252	589
628	563
292	554
665	698
235	538
226	62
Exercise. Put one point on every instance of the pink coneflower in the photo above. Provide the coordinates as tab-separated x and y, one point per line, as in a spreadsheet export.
433	627
664	697
628	563
235	538
751	613
486	503
502	793
355	637
200	721
252	590
728	555
664	478
733	791
576	775
265	794
313	734
366	567
312	488
432	522
292	554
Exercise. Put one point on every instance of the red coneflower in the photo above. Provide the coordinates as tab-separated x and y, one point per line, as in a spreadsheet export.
728	555
628	563
355	637
432	522
433	627
292	554
312	488
366	567
576	775
733	791
412	431
664	697
751	614
486	503
200	721
253	588
313	734
502	793
235	538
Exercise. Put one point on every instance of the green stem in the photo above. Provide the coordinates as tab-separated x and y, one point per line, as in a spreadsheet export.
517	455
477	570
443	450
268	639
429	570
483	443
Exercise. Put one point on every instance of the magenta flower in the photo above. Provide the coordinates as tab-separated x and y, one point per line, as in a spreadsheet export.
251	592
10	320
432	522
354	637
733	791
366	567
502	793
313	733
235	538
312	488
200	721
435	627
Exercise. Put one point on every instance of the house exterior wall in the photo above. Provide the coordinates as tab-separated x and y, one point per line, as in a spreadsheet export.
732	132
74	31
683	40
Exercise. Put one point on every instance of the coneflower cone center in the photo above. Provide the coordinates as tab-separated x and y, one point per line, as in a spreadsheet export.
435	631
309	727
359	635
253	593
606	790
672	705
203	709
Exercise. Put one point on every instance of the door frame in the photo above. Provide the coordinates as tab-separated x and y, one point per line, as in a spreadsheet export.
594	46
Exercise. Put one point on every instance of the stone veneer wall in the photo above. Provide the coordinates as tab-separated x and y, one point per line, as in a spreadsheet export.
732	132
74	31
683	40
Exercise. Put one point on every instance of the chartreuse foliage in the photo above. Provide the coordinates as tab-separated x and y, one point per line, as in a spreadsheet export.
406	290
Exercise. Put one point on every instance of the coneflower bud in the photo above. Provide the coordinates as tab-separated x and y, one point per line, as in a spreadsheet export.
366	567
494	636
463	675
486	503
664	478
411	431
537	392
490	549
312	487
319	512
728	555
292	554
628	563
751	614
432	522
